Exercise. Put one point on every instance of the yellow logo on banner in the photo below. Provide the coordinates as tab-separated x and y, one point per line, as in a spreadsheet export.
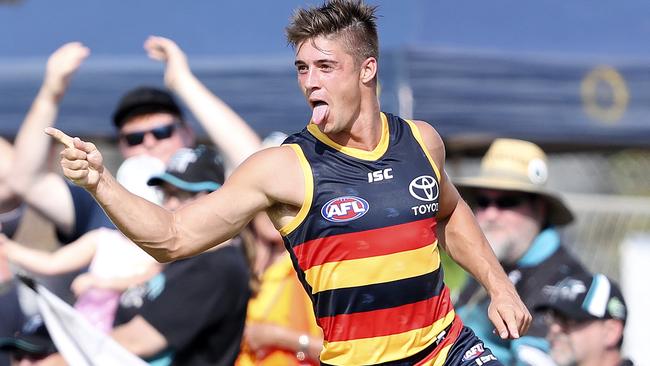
604	94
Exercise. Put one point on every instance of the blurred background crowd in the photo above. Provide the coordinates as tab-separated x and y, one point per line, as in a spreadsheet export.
571	77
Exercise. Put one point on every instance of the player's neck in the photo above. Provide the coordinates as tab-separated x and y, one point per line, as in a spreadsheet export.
364	130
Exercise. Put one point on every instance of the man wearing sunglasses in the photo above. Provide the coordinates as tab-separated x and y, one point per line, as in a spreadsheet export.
148	121
519	217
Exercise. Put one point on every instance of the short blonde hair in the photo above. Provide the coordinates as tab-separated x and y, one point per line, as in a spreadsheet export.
350	20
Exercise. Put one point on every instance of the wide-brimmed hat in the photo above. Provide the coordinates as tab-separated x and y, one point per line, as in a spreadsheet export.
520	166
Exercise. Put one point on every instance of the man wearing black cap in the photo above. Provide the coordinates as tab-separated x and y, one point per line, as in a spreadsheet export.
586	316
193	313
147	120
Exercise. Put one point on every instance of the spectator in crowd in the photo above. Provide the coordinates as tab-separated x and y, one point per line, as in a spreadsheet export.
11	205
10	311
280	324
199	313
586	318
11	211
193	312
520	219
114	263
31	346
148	121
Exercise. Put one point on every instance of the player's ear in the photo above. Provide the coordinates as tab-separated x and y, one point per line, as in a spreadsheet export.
368	70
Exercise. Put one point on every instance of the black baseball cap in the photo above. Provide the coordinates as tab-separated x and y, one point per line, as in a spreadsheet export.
32	340
585	297
193	170
145	100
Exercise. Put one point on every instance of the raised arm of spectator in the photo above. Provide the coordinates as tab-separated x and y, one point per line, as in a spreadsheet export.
230	133
46	192
71	257
8	199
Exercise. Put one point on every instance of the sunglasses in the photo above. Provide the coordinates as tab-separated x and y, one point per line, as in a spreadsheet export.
502	202
566	324
160	133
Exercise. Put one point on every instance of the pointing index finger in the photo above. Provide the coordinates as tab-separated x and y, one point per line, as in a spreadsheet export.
60	136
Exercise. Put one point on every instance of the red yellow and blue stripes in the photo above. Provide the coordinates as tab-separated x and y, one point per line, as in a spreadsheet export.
376	282
353	279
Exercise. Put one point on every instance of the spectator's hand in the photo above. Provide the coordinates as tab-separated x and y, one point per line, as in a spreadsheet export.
60	67
81	162
258	337
167	51
509	315
83	282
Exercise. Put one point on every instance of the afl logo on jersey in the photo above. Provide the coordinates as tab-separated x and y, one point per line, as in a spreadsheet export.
424	188
342	209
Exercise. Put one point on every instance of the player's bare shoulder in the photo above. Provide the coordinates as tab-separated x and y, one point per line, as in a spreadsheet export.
433	141
277	172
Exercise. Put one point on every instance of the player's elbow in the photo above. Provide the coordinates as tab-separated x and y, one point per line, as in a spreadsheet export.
167	254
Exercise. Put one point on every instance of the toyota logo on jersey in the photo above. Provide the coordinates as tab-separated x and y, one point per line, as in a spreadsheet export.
424	188
342	209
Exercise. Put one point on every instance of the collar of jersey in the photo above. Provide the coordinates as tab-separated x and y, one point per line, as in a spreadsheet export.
374	154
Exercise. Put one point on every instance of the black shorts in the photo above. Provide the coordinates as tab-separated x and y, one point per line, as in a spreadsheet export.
468	350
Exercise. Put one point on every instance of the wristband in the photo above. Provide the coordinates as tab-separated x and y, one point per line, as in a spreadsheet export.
303	347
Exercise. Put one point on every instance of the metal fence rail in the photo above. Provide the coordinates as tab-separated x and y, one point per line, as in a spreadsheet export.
602	223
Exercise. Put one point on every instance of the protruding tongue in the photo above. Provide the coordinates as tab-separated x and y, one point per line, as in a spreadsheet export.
319	113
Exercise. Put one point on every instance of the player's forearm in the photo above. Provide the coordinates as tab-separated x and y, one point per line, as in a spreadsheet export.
148	225
230	133
466	244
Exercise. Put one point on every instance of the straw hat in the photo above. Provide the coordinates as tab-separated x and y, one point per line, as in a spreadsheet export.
521	166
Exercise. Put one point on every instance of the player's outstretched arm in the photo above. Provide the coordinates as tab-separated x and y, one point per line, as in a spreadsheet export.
463	240
204	223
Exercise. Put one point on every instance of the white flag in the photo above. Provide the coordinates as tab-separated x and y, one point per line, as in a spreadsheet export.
75	338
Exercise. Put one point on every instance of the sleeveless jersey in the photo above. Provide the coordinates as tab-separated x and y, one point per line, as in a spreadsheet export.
364	246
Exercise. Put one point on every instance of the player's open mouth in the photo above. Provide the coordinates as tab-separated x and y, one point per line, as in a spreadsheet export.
320	110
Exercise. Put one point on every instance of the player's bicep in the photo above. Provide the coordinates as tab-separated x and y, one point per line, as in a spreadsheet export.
253	187
448	197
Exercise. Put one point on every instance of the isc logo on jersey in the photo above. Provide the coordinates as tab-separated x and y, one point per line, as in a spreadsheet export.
342	209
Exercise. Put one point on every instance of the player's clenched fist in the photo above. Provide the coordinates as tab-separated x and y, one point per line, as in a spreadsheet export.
81	162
